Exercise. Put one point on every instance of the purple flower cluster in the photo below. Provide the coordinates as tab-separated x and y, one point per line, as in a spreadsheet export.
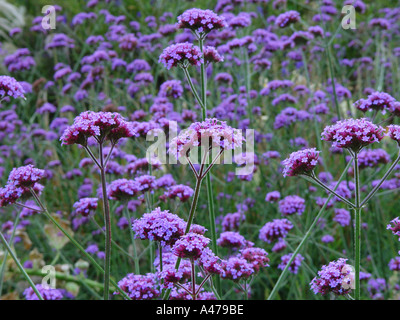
294	266
140	287
232	221
212	131
292	205
171	88
236	268
394	133
287	18
180	191
19	182
211	55
85	206
158	225
47	293
342	216
190	246
394	226
182	54
336	277
100	125
210	262
230	239
122	189
394	264
353	134
201	21
275	230
300	162
26	176
377	101
273	196
258	257
9	87
372	158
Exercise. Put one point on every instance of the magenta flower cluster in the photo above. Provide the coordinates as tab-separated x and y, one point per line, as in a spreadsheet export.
287	18
209	133
85	206
292	205
353	134
301	162
140	287
201	21
100	125
190	246
336	277
162	226
9	87
47	293
181	54
275	230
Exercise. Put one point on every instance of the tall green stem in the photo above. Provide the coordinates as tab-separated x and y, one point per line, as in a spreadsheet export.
357	231
135	255
107	223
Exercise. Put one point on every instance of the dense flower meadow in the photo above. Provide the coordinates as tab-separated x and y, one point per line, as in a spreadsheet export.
200	150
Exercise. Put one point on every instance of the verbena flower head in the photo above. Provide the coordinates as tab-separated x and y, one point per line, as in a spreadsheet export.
9	87
342	216
190	245
230	239
336	277
47	293
377	101
275	230
394	226
353	134
211	55
272	196
180	191
394	133
294	266
232	221
300	162
201	21
100	125
394	264
26	176
211	132
210	262
287	18
85	206
158	225
236	268
181	54
140	287
122	189
171	88
256	256
292	205
372	158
